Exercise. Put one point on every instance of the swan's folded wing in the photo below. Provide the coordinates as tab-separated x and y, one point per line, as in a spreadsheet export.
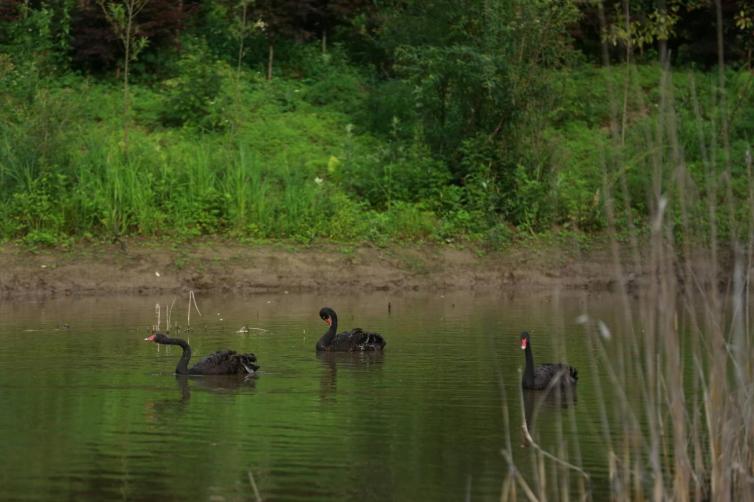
556	374
371	341
357	340
226	362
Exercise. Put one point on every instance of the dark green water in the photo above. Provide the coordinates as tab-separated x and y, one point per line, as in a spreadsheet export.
93	411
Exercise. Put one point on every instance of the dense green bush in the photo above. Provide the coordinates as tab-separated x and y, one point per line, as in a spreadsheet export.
390	110
191	98
578	160
394	174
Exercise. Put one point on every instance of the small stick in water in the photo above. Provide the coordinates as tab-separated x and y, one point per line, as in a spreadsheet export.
254	486
167	320
192	299
157	312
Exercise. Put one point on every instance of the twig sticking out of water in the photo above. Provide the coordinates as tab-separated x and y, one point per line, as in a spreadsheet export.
192	300
513	473
169	311
254	486
157	313
246	329
530	442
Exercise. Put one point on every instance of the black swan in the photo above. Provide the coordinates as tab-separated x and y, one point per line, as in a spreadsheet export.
222	362
545	375
348	341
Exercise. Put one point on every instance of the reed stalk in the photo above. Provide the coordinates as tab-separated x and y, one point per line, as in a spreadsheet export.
675	381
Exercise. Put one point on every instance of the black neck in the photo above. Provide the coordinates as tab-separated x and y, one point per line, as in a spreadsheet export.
328	337
529	369
182	368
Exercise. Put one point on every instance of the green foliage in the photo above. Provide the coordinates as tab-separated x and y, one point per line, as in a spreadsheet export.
191	98
648	22
474	121
29	39
123	18
393	174
331	80
577	184
391	109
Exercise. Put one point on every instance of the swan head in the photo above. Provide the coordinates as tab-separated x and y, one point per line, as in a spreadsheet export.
524	340
156	338
328	315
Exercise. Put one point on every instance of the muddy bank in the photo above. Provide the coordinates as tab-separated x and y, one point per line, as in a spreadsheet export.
139	267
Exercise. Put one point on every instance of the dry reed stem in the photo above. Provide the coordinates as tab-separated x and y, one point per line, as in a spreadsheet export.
254	486
544	453
681	373
192	300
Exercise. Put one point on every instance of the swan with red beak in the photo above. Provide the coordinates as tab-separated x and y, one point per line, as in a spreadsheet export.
547	375
357	340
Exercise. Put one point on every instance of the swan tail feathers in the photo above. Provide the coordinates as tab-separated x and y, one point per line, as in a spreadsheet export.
377	339
247	362
368	340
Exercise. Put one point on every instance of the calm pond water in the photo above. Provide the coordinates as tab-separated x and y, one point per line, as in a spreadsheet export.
89	409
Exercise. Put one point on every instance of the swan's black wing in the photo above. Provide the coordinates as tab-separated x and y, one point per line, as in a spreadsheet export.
554	375
225	362
356	341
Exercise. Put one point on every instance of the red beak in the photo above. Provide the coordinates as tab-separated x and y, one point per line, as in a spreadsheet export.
328	321
149	338
523	344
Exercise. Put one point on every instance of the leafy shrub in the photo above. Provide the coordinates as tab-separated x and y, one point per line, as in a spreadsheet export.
390	110
330	80
578	165
397	173
403	220
33	212
191	97
43	238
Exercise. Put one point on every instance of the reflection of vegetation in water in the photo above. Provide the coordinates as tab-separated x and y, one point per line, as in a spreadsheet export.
424	420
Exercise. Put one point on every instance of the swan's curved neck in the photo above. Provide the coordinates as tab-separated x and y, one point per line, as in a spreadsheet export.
182	368
328	337
529	369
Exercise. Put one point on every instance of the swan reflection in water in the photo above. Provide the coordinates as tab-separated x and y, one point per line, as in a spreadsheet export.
219	384
547	405
353	361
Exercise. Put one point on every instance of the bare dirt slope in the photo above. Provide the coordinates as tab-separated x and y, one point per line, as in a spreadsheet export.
154	267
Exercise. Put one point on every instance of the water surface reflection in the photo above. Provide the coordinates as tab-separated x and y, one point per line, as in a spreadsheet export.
93	411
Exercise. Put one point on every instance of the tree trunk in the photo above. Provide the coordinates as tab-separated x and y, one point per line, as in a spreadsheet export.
179	27
270	57
242	37
324	41
126	95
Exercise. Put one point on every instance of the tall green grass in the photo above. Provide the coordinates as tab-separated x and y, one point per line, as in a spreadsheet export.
287	159
277	173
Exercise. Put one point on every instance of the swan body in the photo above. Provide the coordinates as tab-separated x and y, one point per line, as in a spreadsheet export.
357	340
547	375
222	362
